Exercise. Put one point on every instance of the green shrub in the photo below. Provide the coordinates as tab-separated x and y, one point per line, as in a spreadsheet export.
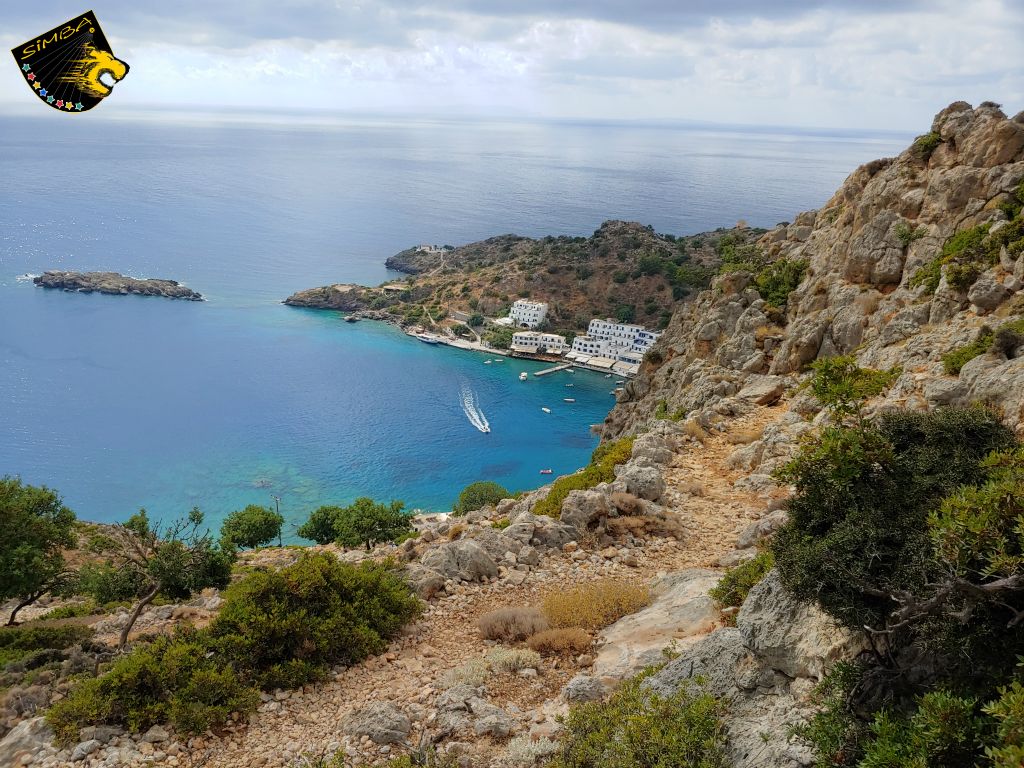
925	145
637	728
954	361
857	530
105	583
1007	713
170	680
943	731
285	628
779	279
70	611
478	495
252	527
364	522
907	234
834	731
18	642
501	524
840	384
600	470
737	582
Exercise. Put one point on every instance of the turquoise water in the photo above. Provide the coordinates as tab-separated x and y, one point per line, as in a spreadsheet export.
128	402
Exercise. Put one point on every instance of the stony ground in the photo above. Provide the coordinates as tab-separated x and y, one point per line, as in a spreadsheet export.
309	722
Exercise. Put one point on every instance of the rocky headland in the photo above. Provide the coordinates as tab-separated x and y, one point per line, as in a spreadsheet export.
115	284
722	402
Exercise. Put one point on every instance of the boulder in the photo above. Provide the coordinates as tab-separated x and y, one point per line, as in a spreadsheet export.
652	447
794	638
83	750
156	735
29	737
583	688
581	508
461	561
425	582
680	611
763	390
382	721
986	294
645	482
762	529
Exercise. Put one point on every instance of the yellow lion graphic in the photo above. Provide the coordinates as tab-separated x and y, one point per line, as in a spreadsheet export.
85	73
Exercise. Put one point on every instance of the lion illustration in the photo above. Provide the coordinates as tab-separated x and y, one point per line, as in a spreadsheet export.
85	73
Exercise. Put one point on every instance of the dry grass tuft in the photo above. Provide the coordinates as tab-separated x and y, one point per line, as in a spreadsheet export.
511	625
692	429
627	503
473	673
643	527
594	605
745	436
510	660
693	488
561	642
456	531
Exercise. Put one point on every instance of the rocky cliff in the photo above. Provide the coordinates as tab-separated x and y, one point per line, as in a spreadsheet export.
910	260
115	284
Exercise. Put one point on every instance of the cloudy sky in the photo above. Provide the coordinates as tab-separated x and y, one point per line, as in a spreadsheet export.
872	64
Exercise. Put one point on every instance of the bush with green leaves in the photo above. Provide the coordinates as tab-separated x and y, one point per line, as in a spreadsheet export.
737	582
276	629
638	728
18	642
1005	340
600	470
285	628
857	530
252	527
171	680
925	145
37	527
779	279
105	583
364	522
843	386
478	495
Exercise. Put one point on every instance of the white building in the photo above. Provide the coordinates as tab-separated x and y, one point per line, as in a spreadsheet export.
535	342
616	341
528	314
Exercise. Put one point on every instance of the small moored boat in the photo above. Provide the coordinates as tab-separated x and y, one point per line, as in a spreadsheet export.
487	362
351	319
426	339
545	471
523	376
569	399
546	410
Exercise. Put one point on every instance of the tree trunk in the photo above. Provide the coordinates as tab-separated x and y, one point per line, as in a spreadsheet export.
19	606
146	600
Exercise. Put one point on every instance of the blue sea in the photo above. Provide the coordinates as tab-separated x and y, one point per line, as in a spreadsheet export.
128	402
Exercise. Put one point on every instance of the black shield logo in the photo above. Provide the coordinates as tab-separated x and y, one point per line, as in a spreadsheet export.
71	67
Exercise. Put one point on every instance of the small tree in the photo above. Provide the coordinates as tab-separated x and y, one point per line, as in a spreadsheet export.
36	526
252	527
476	319
320	526
175	561
479	494
367	522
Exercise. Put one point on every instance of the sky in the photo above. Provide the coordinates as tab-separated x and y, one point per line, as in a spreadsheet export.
853	64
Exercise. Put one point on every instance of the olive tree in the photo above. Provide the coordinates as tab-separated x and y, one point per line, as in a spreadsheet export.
36	528
252	527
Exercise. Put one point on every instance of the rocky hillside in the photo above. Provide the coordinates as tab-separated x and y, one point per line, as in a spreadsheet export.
623	270
912	259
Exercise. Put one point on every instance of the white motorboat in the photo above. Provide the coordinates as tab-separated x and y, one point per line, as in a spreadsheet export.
569	399
546	410
426	339
523	376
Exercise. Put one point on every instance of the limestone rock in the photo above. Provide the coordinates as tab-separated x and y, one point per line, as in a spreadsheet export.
762	529
28	737
583	688
461	560
382	722
645	482
582	508
794	638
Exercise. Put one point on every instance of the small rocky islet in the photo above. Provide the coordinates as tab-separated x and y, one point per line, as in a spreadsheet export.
115	284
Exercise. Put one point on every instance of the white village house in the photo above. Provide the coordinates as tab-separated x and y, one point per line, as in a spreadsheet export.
621	342
534	342
528	314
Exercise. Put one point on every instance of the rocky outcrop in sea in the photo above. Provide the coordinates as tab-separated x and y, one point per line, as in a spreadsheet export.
115	284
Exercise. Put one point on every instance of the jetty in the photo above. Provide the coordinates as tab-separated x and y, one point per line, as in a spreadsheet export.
553	369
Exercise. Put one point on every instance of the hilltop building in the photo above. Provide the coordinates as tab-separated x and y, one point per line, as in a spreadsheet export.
528	314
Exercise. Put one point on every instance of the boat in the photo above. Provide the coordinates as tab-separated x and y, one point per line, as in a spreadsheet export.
499	360
569	399
546	410
607	375
620	382
487	362
351	319
426	339
569	385
545	471
523	376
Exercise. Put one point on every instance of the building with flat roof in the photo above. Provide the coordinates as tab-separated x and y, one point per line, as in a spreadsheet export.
535	342
528	314
622	342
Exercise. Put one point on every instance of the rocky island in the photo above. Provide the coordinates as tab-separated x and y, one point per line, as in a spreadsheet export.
115	284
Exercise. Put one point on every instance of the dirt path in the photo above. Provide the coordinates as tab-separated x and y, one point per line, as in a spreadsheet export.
309	721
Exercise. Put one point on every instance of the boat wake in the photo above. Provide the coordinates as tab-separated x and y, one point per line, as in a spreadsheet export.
26	277
471	408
